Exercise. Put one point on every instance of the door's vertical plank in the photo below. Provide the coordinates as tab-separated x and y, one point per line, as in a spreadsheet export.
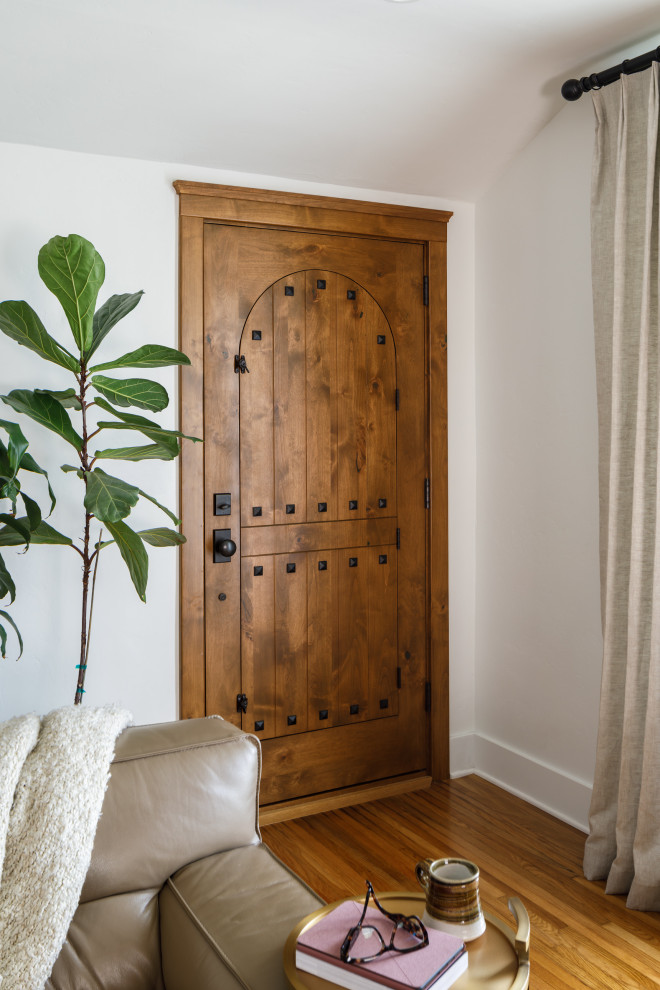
383	697
258	644
191	478
291	642
256	387
223	324
322	638
321	350
353	635
351	400
381	415
290	414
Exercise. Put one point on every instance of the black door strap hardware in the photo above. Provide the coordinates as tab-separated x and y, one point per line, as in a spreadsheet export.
240	365
241	703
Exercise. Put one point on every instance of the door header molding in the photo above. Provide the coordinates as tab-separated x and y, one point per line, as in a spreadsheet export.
236	204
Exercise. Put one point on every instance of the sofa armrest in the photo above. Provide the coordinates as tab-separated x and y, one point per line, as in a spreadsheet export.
178	792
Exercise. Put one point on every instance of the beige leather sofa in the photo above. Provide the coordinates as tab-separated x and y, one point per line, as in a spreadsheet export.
181	893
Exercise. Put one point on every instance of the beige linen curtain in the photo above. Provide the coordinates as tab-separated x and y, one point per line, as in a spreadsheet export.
624	841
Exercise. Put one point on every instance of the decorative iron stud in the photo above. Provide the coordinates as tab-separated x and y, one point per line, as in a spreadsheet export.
256	510
291	568
354	710
320	283
323	506
380	338
323	565
323	714
382	503
384	703
290	509
353	504
258	571
256	335
352	561
259	726
382	558
288	290
291	720
351	294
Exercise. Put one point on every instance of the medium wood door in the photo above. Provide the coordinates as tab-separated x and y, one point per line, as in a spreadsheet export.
323	627
313	346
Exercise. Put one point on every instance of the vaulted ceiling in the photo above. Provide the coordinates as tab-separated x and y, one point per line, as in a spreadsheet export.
428	96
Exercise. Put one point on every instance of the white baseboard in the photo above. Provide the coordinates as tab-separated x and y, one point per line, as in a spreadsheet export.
546	787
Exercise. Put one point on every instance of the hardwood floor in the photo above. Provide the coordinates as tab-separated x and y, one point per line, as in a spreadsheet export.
580	937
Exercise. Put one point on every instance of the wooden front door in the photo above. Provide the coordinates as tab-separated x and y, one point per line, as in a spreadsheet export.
317	600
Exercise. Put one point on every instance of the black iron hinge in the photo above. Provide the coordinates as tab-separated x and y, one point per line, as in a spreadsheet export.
427	696
427	493
426	290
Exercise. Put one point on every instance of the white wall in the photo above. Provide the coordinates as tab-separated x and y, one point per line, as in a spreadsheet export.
538	640
128	209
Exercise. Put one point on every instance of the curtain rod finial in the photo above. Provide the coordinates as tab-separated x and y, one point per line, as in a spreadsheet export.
572	90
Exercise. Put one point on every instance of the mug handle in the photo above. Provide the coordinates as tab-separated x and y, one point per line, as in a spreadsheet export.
423	872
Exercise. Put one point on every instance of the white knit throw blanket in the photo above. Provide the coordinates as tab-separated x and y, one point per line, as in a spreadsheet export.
53	776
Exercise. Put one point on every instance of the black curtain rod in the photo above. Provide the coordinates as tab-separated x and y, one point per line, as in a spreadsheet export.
574	88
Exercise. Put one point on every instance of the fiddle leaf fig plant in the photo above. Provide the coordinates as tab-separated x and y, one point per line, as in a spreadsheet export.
92	406
19	531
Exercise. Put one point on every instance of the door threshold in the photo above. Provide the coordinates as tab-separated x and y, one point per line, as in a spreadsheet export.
314	804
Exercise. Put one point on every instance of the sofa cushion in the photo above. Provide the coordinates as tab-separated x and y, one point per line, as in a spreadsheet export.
225	919
178	792
112	944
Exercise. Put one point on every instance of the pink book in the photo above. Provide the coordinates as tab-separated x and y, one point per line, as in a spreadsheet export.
438	965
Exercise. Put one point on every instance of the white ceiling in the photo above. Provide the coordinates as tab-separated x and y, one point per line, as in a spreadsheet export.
428	97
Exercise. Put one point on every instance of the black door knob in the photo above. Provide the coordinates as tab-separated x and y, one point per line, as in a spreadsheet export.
227	548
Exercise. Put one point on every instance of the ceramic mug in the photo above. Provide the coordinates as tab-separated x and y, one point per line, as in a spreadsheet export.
452	897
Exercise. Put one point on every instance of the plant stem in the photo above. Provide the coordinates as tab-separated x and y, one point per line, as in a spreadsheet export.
87	563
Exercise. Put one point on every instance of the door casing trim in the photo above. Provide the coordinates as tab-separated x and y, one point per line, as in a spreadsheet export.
202	202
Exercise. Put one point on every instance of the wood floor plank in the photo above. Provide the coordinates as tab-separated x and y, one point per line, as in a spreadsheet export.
580	936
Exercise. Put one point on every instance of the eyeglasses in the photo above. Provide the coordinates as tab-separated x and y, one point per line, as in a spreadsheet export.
408	934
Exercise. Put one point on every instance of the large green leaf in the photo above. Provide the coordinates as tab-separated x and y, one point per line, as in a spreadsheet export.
148	356
19	526
161	536
17	444
28	463
133	422
44	409
140	392
74	271
151	451
68	398
111	312
3	636
109	499
7	586
166	438
135	556
43	534
20	322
